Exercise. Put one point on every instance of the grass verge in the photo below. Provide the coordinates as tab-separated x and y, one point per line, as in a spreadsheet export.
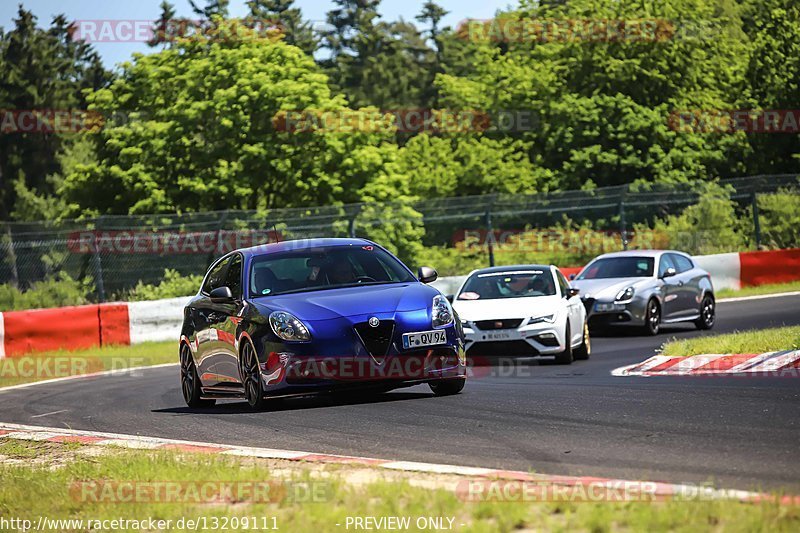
62	363
757	291
58	481
758	341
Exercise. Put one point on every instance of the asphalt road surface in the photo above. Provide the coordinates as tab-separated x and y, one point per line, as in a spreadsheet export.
732	431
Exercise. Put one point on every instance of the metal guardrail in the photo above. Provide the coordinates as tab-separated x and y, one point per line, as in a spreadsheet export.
101	251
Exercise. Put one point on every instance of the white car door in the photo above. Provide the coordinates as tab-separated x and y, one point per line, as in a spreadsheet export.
575	310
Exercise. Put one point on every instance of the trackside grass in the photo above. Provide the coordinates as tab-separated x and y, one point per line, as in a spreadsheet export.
761	289
758	341
57	481
48	365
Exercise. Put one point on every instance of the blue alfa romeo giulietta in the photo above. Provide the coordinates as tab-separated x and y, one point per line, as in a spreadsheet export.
317	315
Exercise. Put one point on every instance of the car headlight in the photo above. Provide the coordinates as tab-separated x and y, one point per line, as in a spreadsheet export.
288	327
625	295
545	318
442	313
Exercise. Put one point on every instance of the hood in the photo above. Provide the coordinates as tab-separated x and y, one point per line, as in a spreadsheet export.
506	307
607	288
335	303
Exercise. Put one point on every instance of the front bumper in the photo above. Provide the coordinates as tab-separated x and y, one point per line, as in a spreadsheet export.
608	313
527	340
338	358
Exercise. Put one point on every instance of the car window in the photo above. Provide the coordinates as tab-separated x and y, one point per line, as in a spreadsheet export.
682	263
509	284
619	267
562	283
216	276
233	279
664	264
323	268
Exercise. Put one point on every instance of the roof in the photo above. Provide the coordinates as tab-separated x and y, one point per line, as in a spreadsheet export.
302	244
640	253
511	268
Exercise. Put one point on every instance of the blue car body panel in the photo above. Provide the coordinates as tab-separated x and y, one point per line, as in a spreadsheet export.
332	317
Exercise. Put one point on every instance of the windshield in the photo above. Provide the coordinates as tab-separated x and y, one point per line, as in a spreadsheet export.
516	284
619	267
324	268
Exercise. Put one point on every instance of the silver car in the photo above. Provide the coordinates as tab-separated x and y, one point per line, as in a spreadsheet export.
646	288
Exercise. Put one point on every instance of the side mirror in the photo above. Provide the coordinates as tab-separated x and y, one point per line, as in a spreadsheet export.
221	295
669	273
573	292
427	274
571	277
450	297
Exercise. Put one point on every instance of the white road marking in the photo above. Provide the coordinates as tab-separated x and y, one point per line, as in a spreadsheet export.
26	432
48	414
757	297
115	372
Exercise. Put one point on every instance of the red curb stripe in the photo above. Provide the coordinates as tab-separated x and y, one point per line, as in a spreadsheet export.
511	475
727	362
194	448
342	460
666	364
84	439
5	431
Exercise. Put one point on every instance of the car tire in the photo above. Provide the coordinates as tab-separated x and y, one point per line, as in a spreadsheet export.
251	378
583	351
707	313
566	357
447	387
190	382
652	318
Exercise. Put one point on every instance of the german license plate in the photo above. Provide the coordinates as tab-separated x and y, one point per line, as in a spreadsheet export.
424	338
501	335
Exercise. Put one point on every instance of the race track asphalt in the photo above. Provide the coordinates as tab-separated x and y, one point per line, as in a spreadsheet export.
732	431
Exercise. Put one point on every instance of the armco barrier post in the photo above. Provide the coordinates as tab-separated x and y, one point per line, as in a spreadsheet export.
623	225
490	233
98	271
756	222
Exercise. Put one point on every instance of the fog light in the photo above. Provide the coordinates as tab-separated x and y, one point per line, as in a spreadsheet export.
548	339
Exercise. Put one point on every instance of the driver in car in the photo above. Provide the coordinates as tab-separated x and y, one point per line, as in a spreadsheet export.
341	272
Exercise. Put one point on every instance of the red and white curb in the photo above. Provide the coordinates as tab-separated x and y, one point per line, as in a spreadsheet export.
94	438
782	364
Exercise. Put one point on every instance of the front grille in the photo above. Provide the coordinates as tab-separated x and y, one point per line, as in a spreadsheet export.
376	340
506	323
501	349
588	303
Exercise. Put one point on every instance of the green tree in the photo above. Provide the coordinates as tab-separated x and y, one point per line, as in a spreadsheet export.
206	128
296	31
710	226
166	28
432	14
43	70
773	75
603	105
375	63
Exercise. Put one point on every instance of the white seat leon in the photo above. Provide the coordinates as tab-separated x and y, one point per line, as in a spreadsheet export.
522	311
